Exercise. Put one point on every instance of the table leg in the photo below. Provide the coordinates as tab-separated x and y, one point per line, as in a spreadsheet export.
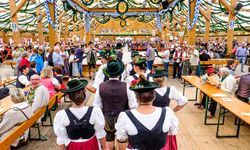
218	127
184	85
196	94
206	111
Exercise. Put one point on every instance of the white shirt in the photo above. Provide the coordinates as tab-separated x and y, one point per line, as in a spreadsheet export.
125	127
24	80
194	59
132	102
55	82
61	121
174	94
229	84
99	78
166	56
41	98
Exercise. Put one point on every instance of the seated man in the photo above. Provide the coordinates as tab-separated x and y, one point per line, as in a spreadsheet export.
22	79
243	91
38	95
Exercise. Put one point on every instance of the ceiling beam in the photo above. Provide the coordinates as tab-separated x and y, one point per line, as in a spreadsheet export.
228	7
18	7
184	13
80	4
203	13
61	15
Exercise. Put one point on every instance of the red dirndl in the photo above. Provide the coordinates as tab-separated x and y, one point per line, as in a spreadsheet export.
171	143
91	144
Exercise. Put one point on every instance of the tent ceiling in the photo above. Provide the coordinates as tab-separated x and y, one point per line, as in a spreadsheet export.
27	17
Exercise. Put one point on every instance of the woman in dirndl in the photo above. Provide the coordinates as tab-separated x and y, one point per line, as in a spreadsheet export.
147	126
79	127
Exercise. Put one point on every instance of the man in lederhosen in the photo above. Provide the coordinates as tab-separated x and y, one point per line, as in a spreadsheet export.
113	96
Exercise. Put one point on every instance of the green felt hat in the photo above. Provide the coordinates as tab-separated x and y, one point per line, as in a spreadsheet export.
75	85
135	53
158	73
108	54
144	85
114	68
141	62
119	46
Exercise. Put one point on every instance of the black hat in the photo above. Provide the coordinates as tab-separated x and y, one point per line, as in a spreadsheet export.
158	73
75	85
114	68
143	85
118	45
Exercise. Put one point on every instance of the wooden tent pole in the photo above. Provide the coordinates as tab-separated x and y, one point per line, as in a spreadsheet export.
192	32
207	24
52	33
39	24
230	32
15	34
66	31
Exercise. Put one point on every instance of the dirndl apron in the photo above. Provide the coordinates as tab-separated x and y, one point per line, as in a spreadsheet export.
91	144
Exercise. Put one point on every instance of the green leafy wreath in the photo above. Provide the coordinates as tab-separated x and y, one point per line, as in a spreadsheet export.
155	1
87	3
122	7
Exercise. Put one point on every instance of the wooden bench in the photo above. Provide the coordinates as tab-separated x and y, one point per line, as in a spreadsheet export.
7	141
233	105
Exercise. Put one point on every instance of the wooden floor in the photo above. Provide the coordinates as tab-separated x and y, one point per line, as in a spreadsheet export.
192	135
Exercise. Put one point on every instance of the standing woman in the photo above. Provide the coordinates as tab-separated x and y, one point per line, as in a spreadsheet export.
164	94
79	127
140	67
147	126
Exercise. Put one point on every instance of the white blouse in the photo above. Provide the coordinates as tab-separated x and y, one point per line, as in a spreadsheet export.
129	79
174	94
125	127
61	121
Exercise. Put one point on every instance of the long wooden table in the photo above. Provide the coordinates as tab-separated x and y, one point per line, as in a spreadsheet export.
227	102
216	62
5	104
8	81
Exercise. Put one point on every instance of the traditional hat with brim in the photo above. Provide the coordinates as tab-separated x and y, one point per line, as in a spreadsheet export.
114	68
141	62
75	85
104	53
144	85
135	53
118	45
158	73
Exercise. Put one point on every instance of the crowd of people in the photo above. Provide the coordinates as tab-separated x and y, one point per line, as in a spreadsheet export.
131	98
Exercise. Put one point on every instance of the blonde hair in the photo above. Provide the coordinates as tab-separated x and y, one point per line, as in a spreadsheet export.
159	80
46	72
17	95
